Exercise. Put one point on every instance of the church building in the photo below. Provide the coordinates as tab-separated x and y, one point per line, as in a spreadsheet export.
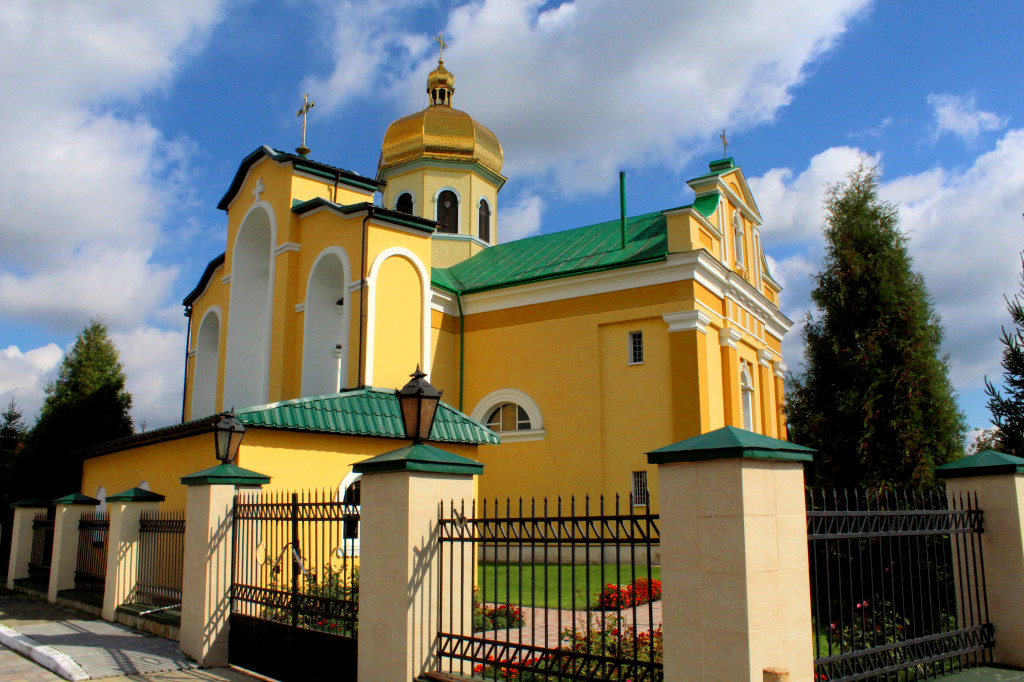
563	357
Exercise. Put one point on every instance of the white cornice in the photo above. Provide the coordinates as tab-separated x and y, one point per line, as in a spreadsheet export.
691	211
448	237
300	307
764	357
356	285
225	279
191	353
727	336
286	247
444	302
780	370
687	320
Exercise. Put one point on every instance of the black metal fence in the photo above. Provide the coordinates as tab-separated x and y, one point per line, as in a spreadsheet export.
42	547
161	558
897	584
295	584
550	591
91	562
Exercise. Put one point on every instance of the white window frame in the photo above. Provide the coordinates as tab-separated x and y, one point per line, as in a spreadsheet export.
484	408
747	397
353	544
737	229
633	347
639	492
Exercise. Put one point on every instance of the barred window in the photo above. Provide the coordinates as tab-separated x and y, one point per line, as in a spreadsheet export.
639	493
636	348
509	417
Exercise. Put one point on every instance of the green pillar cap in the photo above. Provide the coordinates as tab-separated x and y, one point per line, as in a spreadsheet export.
77	498
225	474
29	502
136	495
730	442
984	463
419	457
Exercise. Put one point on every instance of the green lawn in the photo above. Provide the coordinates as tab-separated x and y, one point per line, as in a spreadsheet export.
503	583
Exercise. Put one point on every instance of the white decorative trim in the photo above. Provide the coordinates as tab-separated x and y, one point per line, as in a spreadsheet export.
350	478
399	196
449	188
712	184
191	353
727	336
208	282
300	307
780	370
249	173
687	320
764	357
286	247
711	310
346	270
225	279
356	285
512	395
258	189
444	302
448	236
222	335
371	305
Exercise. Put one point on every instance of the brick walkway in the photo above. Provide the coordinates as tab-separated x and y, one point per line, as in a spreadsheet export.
15	668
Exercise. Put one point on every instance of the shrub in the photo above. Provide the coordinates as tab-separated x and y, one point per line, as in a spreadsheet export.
616	597
499	617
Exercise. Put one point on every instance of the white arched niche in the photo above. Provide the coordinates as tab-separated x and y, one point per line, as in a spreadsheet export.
247	364
494	399
326	324
204	374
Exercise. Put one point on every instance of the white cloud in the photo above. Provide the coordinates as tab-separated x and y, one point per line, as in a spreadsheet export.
153	361
520	219
964	234
959	116
23	376
648	80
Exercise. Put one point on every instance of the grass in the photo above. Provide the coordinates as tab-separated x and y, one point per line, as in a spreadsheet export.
502	583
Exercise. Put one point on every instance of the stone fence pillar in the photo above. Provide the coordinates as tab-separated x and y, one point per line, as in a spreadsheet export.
998	482
734	563
65	541
400	559
21	538
206	583
125	509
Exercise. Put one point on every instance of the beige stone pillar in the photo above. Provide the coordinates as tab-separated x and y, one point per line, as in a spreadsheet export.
998	481
735	582
691	404
125	510
206	582
400	557
729	339
65	541
21	538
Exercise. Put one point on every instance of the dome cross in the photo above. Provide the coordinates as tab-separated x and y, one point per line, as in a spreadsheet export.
439	39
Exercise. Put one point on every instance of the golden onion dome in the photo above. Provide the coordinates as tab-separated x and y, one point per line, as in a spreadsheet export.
440	132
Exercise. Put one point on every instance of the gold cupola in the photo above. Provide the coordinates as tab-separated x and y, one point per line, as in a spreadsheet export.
440	132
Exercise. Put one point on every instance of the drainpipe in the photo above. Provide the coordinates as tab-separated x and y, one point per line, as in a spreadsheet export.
622	206
462	348
188	334
362	297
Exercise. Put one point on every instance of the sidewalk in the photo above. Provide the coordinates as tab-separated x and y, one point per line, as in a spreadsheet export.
65	644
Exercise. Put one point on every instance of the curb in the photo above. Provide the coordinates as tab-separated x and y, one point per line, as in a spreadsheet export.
48	657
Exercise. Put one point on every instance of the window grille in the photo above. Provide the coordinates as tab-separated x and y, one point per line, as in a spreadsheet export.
509	417
636	348
639	492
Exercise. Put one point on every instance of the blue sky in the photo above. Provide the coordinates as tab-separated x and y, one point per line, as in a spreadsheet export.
124	122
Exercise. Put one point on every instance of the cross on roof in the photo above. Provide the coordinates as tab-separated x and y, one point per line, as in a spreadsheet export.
439	39
306	106
725	144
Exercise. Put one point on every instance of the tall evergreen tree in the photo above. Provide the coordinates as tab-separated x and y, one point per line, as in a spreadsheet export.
875	397
85	406
1008	412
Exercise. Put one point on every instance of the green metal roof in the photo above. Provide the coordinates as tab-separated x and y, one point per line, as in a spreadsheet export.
730	442
559	254
77	498
226	474
136	495
716	168
419	457
706	204
363	412
984	463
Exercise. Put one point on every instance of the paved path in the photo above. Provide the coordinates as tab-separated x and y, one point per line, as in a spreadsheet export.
85	647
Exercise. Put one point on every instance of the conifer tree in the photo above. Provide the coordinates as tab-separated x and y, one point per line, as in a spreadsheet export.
85	406
1008	412
875	398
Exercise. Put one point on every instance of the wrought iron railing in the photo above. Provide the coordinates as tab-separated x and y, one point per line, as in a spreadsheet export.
897	584
161	558
91	562
552	591
42	547
296	560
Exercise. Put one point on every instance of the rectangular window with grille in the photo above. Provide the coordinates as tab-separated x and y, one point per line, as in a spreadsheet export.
639	489
636	348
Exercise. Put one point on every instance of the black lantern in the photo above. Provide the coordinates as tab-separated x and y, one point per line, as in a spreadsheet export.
228	433
418	400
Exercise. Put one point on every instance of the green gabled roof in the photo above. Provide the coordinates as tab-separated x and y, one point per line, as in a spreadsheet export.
363	412
77	498
716	168
706	204
559	254
419	457
984	463
136	495
730	442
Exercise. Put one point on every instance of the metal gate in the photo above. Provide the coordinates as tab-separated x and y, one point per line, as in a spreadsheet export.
295	585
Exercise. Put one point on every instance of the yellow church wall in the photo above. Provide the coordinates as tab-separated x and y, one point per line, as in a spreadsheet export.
397	326
305	188
216	294
412	182
444	362
161	464
716	396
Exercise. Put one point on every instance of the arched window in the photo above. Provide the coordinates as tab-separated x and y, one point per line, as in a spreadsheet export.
404	203
747	398
448	211
737	231
485	221
508	417
349	493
